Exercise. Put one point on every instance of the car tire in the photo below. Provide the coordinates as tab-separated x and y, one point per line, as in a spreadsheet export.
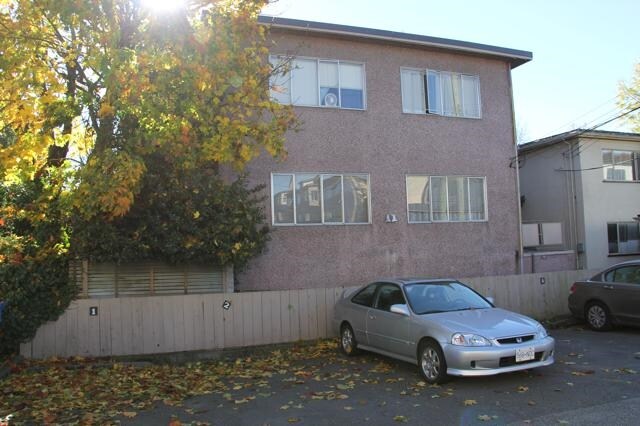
598	316
348	343
431	362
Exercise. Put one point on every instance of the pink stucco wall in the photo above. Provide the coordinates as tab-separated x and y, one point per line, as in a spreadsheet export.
389	144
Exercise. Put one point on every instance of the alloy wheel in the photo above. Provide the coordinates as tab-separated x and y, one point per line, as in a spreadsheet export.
430	363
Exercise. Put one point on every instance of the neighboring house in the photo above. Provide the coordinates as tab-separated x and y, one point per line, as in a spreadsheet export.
403	164
580	191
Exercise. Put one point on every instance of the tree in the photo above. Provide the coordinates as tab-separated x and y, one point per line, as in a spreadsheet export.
109	111
629	99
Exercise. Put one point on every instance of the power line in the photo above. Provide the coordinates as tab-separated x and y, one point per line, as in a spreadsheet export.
597	167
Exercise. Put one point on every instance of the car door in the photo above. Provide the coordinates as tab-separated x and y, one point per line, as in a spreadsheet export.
386	330
623	286
360	305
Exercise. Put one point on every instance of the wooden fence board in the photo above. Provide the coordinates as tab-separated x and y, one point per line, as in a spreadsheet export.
162	324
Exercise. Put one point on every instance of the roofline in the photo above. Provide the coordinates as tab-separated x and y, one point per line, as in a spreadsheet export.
575	134
515	57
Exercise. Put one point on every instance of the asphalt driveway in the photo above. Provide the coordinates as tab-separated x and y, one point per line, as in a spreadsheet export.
595	380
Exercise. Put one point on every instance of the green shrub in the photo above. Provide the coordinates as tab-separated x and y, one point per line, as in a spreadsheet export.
35	291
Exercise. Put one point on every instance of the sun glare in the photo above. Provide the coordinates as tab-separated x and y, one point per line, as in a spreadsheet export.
163	6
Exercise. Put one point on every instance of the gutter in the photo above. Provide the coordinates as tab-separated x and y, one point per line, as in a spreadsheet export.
517	57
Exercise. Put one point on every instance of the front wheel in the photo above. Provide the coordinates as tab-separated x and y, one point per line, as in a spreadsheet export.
431	362
348	344
598	317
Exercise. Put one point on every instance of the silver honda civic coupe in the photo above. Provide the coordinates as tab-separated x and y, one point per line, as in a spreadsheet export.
443	326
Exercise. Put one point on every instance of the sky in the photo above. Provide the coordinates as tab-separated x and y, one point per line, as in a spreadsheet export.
582	49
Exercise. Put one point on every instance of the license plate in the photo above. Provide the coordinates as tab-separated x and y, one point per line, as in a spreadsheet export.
525	354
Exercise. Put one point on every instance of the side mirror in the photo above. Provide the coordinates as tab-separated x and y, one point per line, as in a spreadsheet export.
491	300
401	309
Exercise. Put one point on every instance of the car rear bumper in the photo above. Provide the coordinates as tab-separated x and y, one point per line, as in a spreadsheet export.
490	360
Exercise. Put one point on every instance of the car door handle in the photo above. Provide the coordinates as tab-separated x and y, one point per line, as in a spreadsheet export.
372	317
608	287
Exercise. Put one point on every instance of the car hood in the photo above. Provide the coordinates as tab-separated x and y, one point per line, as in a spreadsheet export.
491	323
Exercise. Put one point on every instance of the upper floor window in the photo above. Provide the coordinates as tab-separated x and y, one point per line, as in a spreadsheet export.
313	198
440	92
446	199
624	237
318	82
621	165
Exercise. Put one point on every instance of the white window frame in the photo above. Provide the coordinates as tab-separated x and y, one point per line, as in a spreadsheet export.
425	85
321	193
430	177
318	60
635	164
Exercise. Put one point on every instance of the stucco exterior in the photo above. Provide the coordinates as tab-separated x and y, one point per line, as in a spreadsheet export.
387	144
569	166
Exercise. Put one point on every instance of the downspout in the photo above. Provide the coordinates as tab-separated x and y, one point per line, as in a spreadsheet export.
517	167
573	214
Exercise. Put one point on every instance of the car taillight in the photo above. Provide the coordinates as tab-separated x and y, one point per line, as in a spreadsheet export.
573	288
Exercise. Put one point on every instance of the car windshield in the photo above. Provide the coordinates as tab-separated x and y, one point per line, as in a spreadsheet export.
428	298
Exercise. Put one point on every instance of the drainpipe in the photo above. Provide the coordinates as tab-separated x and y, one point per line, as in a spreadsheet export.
515	145
573	213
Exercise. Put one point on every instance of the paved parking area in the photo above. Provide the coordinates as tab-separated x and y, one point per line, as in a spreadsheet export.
595	380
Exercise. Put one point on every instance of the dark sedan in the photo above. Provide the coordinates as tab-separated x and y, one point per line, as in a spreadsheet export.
610	297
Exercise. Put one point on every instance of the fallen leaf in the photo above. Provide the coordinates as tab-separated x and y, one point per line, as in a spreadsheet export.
532	403
348	408
293	420
523	389
484	417
468	402
401	419
582	373
129	414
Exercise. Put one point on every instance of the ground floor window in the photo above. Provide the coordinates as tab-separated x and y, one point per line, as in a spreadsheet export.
446	199
624	237
320	198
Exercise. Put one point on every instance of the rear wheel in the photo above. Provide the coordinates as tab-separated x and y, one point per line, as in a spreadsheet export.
431	362
598	317
348	343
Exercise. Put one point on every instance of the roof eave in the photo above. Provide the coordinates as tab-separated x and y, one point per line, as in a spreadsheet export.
515	57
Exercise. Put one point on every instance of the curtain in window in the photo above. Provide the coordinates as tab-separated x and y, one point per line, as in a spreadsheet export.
458	196
418	198
412	83
329	84
304	86
451	94
476	199
471	107
439	198
351	85
356	199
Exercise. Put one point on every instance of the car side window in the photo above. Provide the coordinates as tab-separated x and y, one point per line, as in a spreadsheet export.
365	296
625	274
388	295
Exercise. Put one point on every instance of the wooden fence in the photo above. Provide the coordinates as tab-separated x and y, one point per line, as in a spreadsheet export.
164	324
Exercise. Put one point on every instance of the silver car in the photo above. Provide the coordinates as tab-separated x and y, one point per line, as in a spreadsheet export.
443	326
609	297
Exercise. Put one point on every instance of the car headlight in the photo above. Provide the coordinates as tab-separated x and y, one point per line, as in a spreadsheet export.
541	333
465	339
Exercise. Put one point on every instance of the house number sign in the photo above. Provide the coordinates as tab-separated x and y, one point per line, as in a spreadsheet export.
93	311
226	305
